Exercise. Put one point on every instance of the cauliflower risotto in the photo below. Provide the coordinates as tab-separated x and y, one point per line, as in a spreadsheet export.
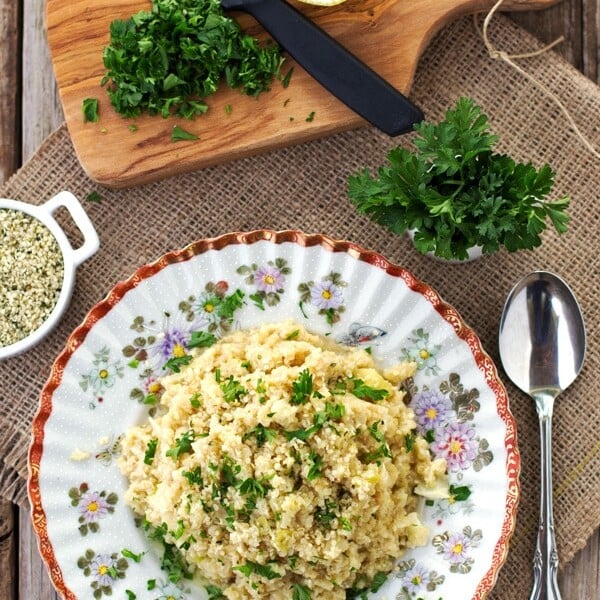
282	465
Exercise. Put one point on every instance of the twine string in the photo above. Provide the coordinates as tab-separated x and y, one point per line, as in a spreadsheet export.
510	60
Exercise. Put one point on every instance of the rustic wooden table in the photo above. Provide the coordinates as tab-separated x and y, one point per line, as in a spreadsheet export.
30	110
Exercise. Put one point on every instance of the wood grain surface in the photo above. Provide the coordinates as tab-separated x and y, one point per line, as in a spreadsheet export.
28	116
388	35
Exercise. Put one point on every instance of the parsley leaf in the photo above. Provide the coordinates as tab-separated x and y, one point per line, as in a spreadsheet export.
232	390
302	388
90	110
364	392
316	465
179	134
150	451
383	450
177	362
253	567
261	433
183	445
201	339
301	592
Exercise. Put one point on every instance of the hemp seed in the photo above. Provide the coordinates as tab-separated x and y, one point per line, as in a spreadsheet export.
31	275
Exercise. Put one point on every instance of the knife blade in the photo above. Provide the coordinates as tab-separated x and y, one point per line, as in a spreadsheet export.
333	66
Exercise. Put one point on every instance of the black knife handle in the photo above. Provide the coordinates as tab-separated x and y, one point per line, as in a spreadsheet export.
337	69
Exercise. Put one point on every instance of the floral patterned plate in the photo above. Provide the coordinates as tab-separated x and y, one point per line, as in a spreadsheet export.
100	385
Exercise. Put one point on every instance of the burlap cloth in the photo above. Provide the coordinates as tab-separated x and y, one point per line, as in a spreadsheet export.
304	187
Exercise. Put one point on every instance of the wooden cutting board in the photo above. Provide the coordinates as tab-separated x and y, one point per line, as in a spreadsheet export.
388	35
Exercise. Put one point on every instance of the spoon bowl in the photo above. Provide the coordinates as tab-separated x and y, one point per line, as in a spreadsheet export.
542	348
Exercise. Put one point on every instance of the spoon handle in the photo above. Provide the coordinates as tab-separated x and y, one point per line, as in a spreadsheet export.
545	562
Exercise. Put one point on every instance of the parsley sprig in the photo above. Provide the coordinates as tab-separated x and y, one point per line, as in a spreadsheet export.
454	192
167	60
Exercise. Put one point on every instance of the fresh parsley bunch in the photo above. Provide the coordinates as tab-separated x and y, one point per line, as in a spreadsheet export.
454	192
169	59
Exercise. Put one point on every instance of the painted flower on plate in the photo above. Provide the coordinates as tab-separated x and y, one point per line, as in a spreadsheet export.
326	295
455	547
415	580
432	410
268	279
102	375
170	591
423	352
104	569
457	444
93	507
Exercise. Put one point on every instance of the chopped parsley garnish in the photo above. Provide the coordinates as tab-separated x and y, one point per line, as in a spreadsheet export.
365	392
177	362
252	567
293	335
383	451
302	388
194	477
252	487
172	560
310	117
201	339
183	445
409	440
167	60
214	593
134	557
285	80
301	592
232	390
460	493
326	515
261	433
130	595
230	304
195	400
90	110
362	593
316	462
150	451
178	134
94	197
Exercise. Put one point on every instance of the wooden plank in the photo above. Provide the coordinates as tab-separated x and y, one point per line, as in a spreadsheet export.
34	582
578	22
581	577
41	107
9	89
78	30
42	114
8	550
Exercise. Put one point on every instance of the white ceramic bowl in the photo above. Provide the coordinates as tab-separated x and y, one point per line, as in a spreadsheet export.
72	258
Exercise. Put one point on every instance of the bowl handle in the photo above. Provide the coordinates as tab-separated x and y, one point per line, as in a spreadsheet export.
91	242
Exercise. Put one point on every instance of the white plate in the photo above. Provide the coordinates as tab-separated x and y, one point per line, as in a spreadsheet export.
337	288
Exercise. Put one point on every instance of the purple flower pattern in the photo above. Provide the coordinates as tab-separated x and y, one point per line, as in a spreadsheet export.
457	444
432	410
326	295
104	569
92	506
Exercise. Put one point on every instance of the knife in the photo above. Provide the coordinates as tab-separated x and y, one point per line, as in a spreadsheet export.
334	67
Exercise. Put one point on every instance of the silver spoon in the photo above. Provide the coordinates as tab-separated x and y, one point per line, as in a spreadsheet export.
542	347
